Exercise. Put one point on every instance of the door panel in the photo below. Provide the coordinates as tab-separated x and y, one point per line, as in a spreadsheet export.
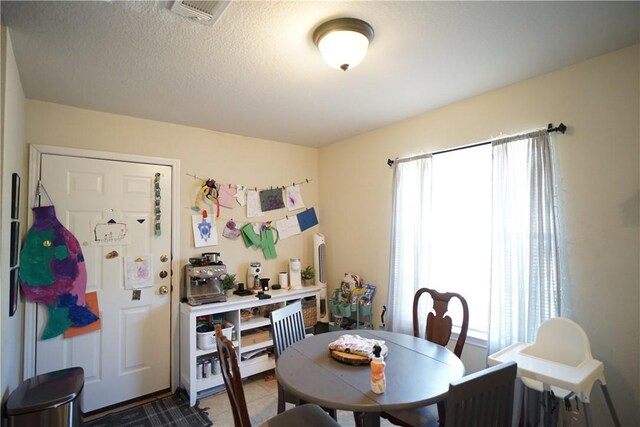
130	355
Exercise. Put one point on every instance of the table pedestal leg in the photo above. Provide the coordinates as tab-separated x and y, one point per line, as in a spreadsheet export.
371	419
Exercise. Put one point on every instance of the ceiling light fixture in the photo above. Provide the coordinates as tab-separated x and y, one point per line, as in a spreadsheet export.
343	42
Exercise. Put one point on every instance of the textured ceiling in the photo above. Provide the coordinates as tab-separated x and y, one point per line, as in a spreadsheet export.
256	72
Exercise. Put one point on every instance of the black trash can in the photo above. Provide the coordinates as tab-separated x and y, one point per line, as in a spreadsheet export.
51	399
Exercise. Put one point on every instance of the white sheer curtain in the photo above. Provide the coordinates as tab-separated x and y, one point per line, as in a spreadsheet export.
525	284
409	238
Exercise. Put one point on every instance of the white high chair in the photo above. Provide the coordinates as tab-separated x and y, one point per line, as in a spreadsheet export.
559	360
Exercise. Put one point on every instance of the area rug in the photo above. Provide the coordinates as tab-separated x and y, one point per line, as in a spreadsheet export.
172	411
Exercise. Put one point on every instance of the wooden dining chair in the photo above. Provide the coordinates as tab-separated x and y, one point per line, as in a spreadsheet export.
438	329
287	328
439	324
308	414
482	399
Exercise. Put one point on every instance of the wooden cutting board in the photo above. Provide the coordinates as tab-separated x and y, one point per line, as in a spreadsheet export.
354	359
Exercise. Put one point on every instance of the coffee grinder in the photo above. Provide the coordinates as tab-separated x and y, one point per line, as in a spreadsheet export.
253	276
295	270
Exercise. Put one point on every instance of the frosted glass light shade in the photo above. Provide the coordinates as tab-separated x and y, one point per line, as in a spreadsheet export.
343	49
343	42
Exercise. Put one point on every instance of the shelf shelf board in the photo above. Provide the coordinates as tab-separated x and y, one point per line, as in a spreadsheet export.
256	346
254	322
200	352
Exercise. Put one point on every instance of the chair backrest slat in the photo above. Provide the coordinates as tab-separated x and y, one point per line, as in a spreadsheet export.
287	327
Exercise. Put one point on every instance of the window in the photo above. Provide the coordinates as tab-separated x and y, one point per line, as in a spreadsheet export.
482	222
460	247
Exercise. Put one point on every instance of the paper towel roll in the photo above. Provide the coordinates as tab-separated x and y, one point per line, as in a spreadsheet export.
282	279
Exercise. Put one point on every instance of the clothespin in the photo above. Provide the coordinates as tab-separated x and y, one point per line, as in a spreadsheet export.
204	214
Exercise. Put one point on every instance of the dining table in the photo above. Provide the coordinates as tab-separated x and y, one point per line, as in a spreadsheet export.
418	373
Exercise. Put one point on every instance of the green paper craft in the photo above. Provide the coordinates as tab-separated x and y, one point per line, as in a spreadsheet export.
249	236
268	244
35	268
57	323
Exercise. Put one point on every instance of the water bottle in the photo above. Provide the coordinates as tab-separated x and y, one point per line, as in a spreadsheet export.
378	380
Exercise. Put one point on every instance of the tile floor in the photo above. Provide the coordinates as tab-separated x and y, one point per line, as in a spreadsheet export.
261	393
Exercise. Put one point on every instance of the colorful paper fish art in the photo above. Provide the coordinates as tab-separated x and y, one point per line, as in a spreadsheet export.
53	273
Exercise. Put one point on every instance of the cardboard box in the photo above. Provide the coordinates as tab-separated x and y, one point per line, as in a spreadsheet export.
255	336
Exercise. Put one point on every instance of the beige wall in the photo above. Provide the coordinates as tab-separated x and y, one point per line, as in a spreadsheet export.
13	161
598	159
599	183
224	157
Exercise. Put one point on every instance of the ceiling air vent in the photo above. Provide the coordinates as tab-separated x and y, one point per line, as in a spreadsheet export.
205	12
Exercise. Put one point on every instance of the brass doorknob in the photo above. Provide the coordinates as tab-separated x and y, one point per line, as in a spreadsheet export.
163	290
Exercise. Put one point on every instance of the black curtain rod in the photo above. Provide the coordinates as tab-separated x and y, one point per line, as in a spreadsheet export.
550	128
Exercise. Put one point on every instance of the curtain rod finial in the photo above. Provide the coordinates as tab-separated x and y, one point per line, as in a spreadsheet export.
561	128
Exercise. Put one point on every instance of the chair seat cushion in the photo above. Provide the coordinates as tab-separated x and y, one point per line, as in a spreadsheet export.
308	415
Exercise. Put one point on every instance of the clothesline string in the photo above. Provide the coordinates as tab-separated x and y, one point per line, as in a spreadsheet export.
248	187
258	219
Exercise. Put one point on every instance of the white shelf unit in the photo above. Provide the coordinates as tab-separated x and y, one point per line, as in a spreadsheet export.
230	311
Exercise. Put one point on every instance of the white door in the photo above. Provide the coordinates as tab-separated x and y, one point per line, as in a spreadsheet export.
129	356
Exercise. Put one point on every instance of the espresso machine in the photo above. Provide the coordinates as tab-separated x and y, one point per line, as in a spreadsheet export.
202	282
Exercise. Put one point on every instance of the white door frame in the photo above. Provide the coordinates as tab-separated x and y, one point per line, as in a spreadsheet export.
35	153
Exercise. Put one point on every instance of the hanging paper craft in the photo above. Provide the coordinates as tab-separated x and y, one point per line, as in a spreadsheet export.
253	204
307	219
267	241
205	232
271	199
110	232
53	273
208	190
294	198
249	235
231	230
288	227
227	196
92	305
240	195
138	272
